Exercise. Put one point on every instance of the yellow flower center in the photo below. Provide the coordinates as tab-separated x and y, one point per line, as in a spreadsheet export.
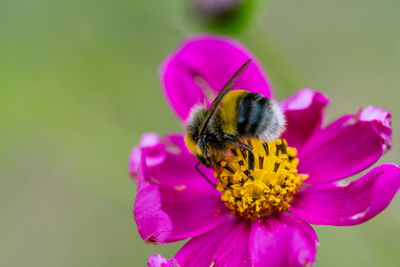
255	184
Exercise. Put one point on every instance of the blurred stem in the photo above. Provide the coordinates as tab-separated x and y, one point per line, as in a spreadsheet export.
284	74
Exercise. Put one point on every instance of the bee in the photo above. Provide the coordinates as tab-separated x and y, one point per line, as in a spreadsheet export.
232	116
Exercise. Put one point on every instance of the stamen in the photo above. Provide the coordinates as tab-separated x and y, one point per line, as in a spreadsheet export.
227	167
283	147
255	190
276	166
265	145
244	154
251	161
260	162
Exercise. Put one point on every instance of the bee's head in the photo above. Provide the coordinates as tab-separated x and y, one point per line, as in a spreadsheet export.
196	143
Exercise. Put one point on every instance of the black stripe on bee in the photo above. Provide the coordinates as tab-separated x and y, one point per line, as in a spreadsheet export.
244	109
252	114
256	115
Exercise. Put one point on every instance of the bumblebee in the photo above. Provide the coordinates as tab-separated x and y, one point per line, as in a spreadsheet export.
232	117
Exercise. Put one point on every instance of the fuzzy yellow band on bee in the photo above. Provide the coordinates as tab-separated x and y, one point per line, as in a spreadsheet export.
192	146
228	111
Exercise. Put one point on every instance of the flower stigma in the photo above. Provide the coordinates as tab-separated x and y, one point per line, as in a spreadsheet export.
260	182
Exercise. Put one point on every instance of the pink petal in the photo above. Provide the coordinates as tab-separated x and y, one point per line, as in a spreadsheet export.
155	153
382	121
177	176
347	146
157	260
154	225
282	241
173	201
225	246
201	66
304	114
348	204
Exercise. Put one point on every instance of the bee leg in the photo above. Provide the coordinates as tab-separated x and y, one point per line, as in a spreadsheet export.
234	141
204	176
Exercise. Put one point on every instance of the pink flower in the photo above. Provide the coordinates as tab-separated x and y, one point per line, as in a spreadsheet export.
174	202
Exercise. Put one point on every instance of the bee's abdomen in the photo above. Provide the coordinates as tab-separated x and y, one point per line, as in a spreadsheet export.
254	115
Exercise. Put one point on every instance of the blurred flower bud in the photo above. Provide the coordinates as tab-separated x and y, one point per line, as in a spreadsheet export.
225	16
212	10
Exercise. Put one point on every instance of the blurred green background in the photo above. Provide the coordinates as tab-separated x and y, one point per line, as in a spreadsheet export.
79	85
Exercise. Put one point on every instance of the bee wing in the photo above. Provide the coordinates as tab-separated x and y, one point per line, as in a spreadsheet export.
217	101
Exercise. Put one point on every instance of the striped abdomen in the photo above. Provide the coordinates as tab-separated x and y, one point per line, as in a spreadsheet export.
251	115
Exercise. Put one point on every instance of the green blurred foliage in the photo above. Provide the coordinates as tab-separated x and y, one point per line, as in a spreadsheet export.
79	85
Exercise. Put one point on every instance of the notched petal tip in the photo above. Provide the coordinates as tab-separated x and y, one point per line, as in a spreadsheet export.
157	260
375	113
381	122
305	114
353	142
156	153
349	204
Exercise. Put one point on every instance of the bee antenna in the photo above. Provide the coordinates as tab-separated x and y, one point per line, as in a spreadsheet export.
217	101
